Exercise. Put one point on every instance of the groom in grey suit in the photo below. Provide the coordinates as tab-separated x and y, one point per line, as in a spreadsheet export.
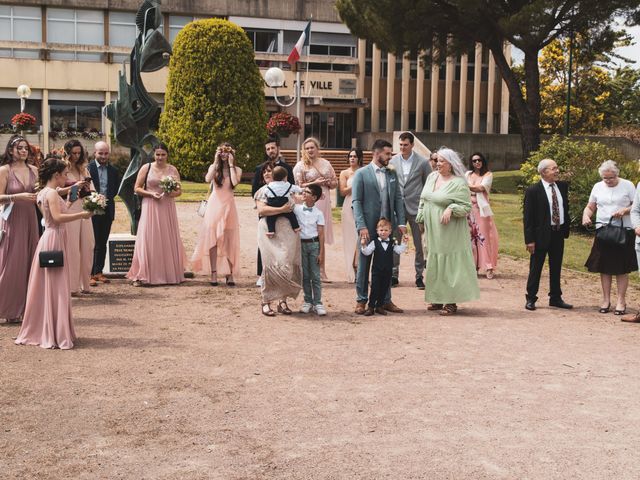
375	194
412	170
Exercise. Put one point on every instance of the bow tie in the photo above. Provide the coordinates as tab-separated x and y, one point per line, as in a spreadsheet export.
383	241
381	170
307	209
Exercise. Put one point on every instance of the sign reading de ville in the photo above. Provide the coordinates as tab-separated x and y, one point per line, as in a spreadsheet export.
325	85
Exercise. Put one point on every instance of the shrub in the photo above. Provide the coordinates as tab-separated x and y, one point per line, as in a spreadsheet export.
578	161
215	93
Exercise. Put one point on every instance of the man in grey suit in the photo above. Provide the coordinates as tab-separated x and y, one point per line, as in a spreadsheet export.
412	170
375	194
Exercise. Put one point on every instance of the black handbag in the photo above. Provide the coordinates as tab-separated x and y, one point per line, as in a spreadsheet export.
51	259
612	235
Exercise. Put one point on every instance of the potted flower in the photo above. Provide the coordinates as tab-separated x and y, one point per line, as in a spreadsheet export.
283	124
23	121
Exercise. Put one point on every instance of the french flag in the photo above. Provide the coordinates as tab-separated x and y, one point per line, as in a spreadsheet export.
303	41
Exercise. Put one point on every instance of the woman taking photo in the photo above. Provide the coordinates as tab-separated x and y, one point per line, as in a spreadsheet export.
158	256
18	226
313	169
444	205
484	234
47	317
218	247
611	199
80	239
350	238
281	257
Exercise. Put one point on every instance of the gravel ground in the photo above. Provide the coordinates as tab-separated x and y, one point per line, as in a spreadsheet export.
192	382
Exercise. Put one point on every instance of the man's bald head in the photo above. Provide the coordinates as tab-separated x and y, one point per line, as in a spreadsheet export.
101	152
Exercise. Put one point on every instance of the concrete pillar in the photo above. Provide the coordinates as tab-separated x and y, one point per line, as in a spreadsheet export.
462	102
477	79
106	121
450	70
404	102
435	75
491	84
375	90
420	96
362	54
391	87
46	126
504	99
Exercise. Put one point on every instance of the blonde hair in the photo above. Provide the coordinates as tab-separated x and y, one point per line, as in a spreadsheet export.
305	158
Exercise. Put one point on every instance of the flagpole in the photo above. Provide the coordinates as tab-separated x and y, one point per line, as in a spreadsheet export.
297	94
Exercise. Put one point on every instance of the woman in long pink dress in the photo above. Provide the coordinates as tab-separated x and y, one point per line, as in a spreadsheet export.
47	319
484	234
158	256
19	232
315	169
218	247
80	239
350	239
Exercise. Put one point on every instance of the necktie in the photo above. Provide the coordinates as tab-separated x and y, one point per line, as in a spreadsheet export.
555	208
307	209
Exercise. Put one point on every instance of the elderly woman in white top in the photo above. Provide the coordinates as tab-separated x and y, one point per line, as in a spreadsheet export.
611	200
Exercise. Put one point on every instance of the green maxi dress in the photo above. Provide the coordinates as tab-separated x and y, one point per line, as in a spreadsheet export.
451	273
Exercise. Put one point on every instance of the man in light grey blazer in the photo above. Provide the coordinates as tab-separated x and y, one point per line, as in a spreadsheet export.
412	170
375	194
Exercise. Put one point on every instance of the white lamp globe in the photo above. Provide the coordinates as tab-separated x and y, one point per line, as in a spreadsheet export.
274	77
23	91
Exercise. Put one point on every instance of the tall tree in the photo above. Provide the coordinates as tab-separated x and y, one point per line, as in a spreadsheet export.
443	27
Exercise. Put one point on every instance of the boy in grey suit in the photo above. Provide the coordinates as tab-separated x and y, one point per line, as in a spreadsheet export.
375	195
412	170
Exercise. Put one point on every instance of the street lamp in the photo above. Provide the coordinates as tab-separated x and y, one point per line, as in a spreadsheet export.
23	92
274	78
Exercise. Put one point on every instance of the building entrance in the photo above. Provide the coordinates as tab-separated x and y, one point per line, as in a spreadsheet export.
333	129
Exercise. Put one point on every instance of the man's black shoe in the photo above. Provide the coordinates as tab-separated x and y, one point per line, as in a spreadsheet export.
394	281
530	305
419	283
560	304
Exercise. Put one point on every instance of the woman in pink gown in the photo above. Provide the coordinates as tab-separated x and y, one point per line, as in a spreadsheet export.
315	169
484	234
80	239
47	318
218	247
158	256
350	239
19	232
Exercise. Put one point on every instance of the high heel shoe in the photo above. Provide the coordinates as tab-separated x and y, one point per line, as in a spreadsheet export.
266	310
606	309
230	282
213	283
284	308
620	312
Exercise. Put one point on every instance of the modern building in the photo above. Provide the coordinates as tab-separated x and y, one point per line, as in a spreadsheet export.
69	54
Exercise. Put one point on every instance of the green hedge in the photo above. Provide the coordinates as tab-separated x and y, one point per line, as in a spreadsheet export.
215	93
578	161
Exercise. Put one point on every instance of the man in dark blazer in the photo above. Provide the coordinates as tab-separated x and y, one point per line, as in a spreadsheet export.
106	181
546	225
272	154
375	194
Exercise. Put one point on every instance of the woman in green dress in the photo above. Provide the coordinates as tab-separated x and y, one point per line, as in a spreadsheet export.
444	204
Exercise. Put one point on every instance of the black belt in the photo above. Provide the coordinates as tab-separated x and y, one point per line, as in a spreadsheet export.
556	228
310	240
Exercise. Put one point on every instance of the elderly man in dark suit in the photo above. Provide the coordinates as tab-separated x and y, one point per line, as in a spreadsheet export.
106	181
546	225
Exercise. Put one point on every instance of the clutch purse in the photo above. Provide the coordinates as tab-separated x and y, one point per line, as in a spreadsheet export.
612	235
51	259
202	208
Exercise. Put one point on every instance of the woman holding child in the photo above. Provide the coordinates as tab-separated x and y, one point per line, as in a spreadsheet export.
218	246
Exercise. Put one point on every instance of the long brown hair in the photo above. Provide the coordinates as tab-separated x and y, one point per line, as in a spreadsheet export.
218	175
7	158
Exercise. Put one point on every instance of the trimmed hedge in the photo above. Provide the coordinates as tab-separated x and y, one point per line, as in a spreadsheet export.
215	93
578	161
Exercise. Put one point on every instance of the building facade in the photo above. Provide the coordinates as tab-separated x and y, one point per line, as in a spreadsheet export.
70	52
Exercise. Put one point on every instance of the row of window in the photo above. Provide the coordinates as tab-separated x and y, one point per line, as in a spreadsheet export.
63	114
426	121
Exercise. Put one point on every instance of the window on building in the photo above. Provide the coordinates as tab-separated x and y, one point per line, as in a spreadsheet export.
177	23
122	32
10	106
75	116
20	24
75	27
263	40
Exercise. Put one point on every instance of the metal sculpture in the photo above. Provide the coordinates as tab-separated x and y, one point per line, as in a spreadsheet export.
135	115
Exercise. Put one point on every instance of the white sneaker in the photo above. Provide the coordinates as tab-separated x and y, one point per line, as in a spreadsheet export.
259	282
320	310
306	308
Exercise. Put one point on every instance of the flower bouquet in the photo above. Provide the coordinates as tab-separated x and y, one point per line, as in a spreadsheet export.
95	202
283	124
169	184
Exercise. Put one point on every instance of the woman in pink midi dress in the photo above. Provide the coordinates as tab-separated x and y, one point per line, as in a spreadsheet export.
158	255
47	318
19	231
218	247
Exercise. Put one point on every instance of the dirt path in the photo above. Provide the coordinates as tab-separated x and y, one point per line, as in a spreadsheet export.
191	382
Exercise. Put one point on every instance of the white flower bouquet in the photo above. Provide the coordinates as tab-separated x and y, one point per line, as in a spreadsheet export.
95	202
169	184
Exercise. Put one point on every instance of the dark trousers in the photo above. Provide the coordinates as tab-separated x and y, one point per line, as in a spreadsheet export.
271	221
380	284
101	230
555	250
